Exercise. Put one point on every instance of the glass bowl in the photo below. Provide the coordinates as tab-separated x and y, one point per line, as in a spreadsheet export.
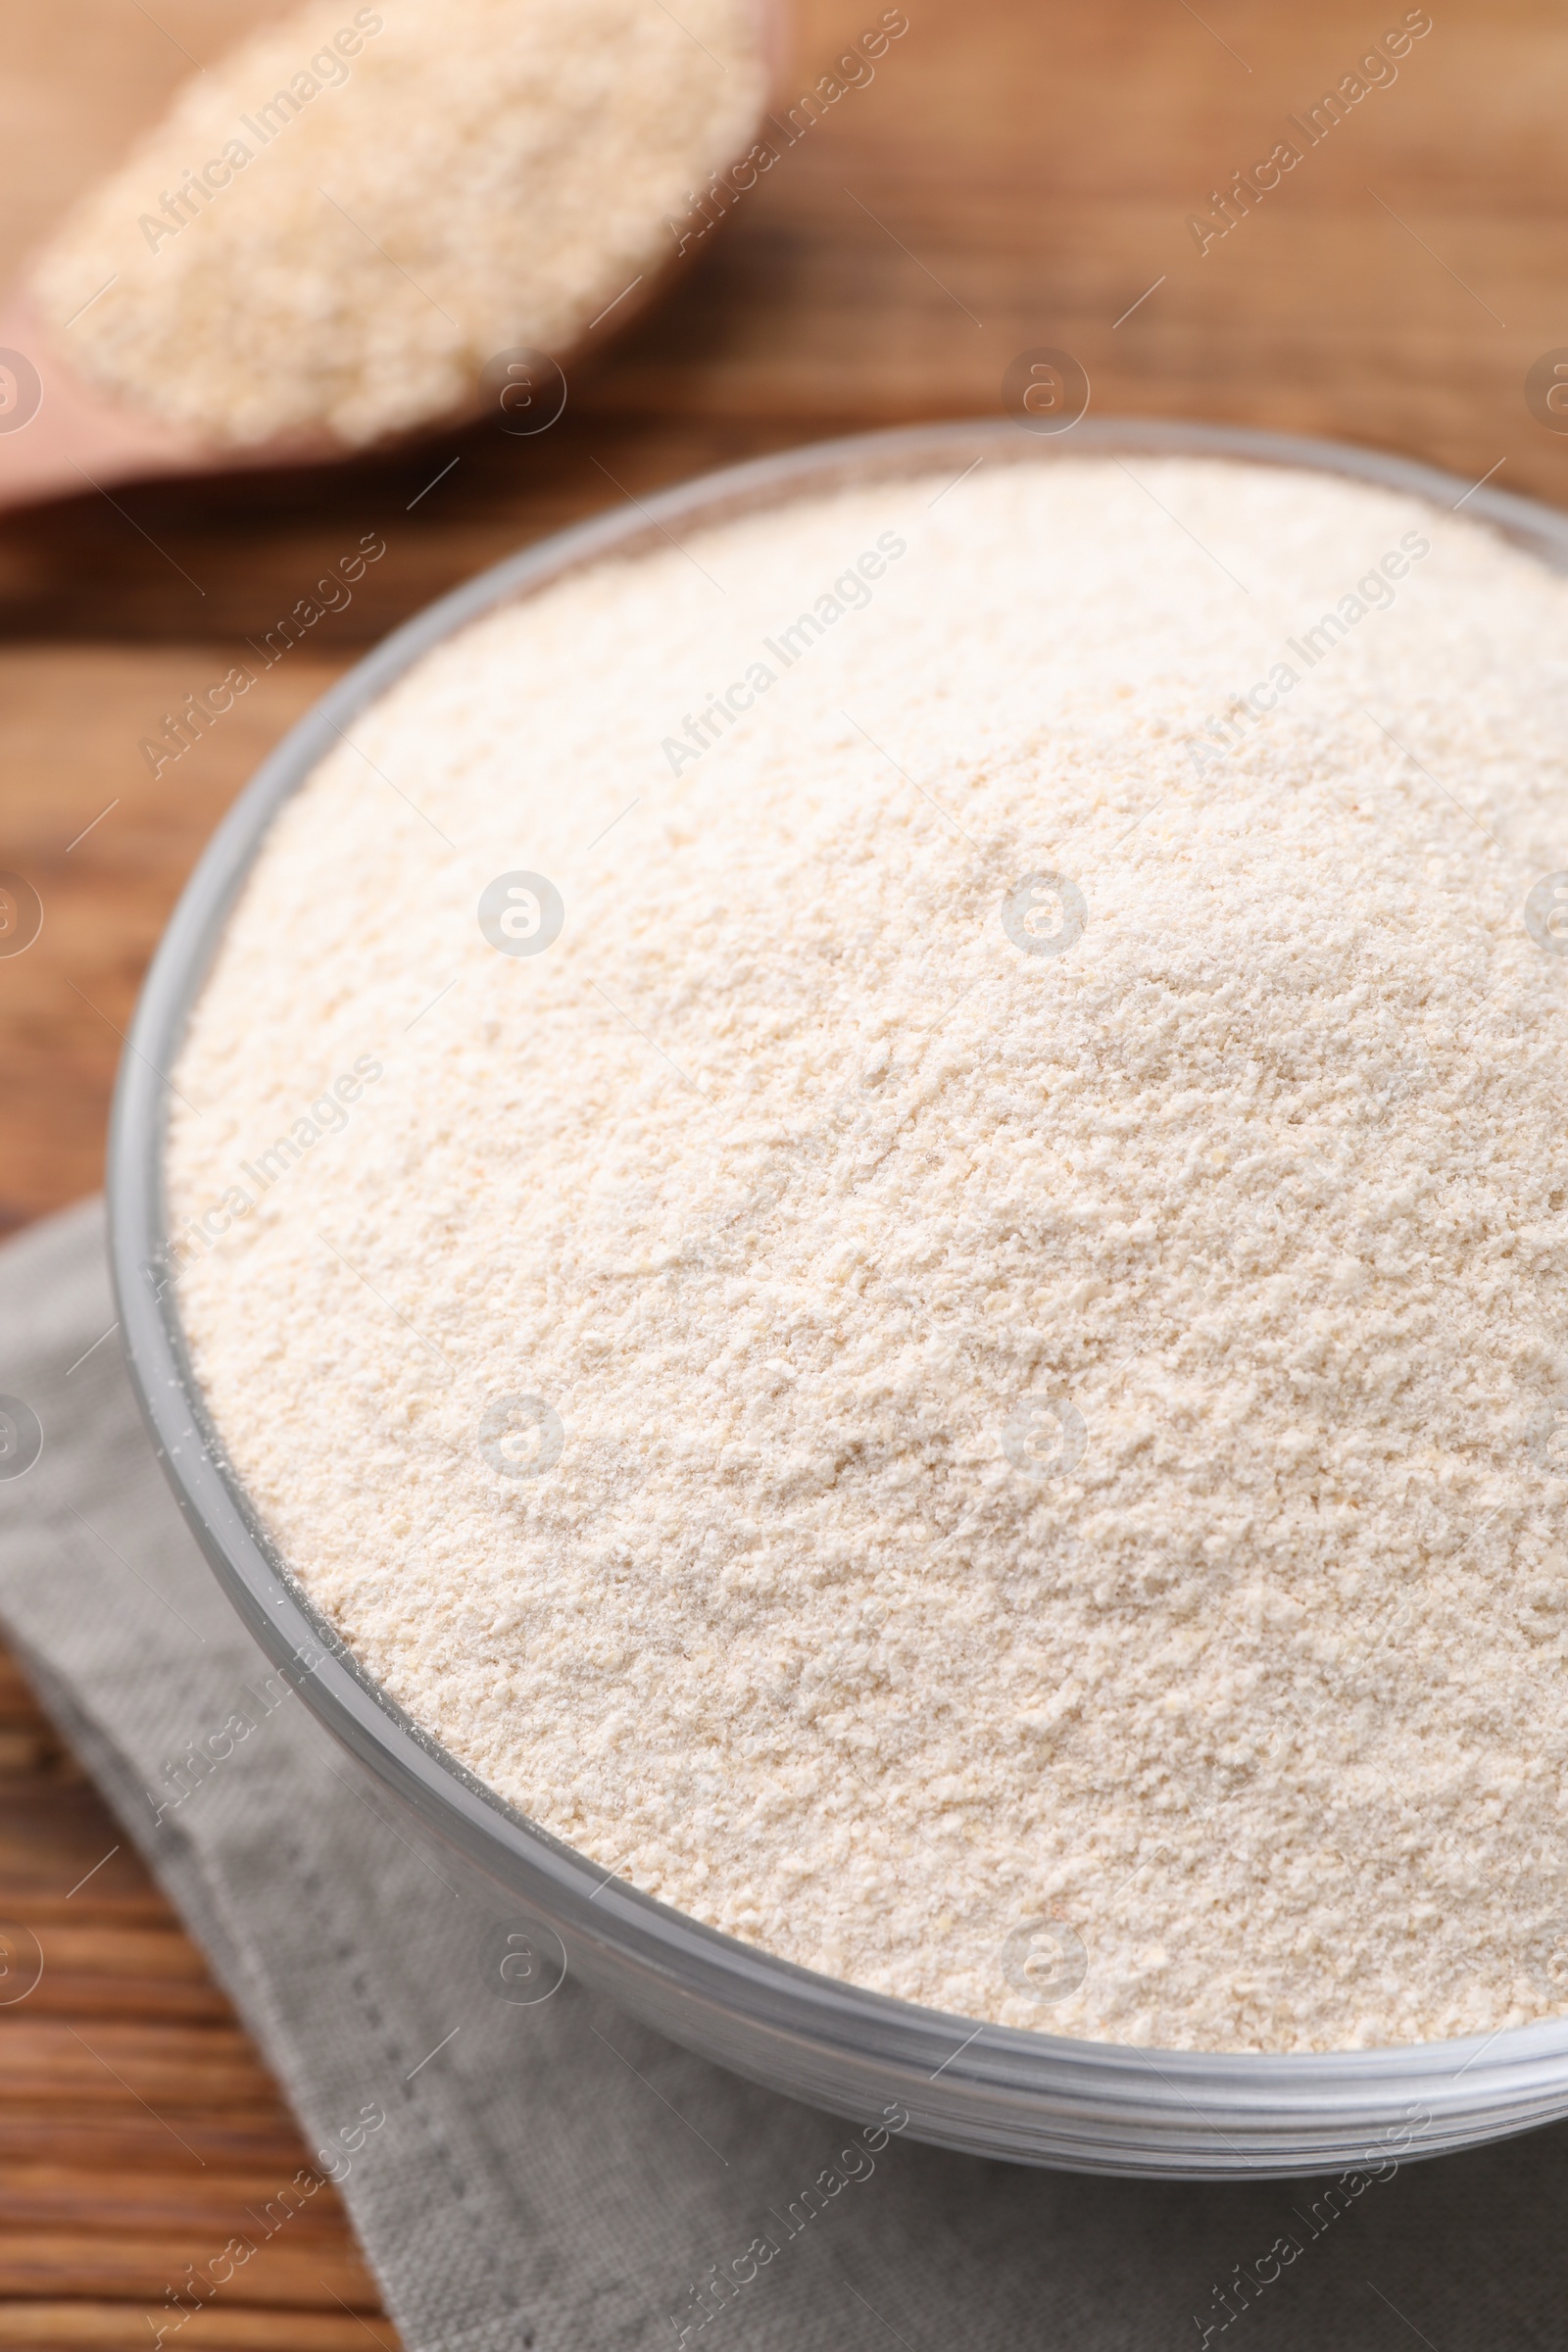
1029	2096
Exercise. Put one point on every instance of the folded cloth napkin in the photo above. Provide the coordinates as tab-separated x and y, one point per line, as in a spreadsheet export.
548	2172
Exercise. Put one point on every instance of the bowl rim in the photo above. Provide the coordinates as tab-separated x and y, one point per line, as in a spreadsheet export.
792	2003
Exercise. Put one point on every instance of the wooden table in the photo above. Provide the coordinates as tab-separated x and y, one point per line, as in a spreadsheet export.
1020	172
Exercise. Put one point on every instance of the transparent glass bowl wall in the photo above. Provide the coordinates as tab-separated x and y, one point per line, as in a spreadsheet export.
1033	2097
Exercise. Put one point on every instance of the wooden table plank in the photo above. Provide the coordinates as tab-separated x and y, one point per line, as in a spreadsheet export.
134	2146
86	2326
287	2273
126	2059
160	2203
1019	173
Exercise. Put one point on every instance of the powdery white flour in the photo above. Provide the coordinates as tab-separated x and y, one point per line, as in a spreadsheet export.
341	223
1042	1399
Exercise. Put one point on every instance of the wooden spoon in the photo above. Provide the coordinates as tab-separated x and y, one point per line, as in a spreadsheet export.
60	435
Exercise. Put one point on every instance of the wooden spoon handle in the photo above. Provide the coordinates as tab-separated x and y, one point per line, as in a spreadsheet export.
58	436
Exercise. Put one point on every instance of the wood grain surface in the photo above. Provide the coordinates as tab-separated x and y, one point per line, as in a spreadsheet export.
1018	174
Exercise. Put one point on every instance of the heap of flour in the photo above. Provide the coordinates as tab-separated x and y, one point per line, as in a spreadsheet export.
880	1202
338	227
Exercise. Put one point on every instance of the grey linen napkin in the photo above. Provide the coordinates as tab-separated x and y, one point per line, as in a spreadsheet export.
549	2173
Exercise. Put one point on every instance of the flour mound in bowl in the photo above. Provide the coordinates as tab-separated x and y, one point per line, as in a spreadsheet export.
924	1306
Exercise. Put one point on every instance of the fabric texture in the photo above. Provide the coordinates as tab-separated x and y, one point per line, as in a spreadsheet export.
552	2173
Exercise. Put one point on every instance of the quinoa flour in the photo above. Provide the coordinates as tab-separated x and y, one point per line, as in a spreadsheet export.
995	1436
337	227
